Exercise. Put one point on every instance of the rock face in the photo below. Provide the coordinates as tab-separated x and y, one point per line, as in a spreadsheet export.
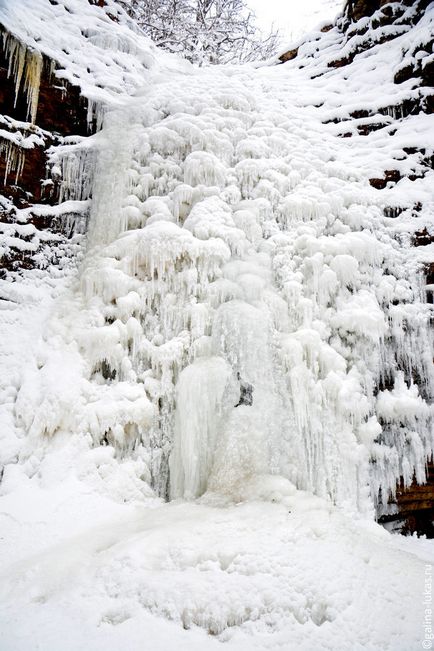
414	508
359	8
360	36
61	112
370	23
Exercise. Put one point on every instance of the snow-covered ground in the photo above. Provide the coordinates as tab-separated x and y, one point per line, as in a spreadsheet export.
242	305
285	571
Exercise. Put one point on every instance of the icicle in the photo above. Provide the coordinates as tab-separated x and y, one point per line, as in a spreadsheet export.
95	115
77	166
24	63
15	159
205	392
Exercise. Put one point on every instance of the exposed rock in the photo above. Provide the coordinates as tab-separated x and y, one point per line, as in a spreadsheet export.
414	507
287	56
246	393
390	176
423	238
356	9
366	129
61	111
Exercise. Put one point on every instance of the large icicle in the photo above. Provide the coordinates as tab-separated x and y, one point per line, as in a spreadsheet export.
205	393
25	65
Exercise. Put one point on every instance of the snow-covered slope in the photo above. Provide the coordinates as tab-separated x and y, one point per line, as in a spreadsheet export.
96	48
247	328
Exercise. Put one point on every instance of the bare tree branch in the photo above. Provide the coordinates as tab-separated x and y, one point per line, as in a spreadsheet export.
204	31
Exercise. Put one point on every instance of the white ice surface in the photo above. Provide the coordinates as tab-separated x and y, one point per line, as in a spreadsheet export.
282	570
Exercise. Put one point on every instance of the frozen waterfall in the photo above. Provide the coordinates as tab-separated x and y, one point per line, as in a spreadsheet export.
229	252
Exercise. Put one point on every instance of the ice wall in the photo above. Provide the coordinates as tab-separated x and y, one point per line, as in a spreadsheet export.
224	253
245	307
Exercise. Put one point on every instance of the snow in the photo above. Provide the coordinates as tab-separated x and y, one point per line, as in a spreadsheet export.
282	569
235	248
106	58
295	19
12	144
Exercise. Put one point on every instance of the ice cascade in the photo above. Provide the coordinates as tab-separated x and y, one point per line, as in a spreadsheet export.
244	307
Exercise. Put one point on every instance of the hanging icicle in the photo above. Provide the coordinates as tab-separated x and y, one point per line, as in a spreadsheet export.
25	66
15	159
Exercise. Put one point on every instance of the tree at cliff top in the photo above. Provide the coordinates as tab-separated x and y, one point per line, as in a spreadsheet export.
204	31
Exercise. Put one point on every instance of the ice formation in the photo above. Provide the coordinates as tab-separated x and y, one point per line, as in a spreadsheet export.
222	247
234	243
25	65
14	159
15	139
234	342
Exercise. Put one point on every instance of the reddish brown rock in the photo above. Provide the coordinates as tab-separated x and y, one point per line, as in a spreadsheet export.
357	9
390	176
378	184
340	63
287	56
61	109
416	505
61	112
